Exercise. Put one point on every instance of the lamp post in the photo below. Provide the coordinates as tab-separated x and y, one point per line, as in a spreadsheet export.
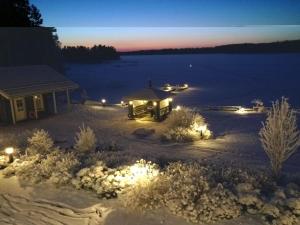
103	101
9	151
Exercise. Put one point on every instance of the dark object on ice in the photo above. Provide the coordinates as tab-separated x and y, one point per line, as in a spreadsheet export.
149	102
143	132
30	92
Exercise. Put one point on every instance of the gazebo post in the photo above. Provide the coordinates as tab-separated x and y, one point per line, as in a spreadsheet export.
157	111
130	110
170	106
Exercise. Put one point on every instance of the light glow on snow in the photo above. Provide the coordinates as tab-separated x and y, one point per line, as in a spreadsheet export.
241	111
141	172
9	150
177	108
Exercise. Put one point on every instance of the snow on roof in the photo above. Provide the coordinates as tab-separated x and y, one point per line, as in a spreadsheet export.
27	80
150	94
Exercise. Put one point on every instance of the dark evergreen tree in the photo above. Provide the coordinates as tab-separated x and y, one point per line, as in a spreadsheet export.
19	13
96	54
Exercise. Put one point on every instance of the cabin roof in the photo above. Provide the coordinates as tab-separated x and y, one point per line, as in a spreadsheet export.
150	94
28	80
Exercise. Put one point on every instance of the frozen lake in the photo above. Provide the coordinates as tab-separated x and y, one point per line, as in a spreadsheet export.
216	79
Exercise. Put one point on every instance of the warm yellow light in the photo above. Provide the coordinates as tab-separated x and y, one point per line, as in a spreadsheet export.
103	100
186	85
122	102
202	129
178	108
155	103
144	101
35	97
9	150
170	99
142	172
241	110
130	102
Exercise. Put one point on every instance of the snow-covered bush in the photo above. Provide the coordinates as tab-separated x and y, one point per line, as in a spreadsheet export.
185	125
85	139
108	182
179	134
186	190
40	142
58	167
279	135
184	118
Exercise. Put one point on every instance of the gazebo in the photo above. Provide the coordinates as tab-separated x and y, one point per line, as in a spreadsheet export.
149	102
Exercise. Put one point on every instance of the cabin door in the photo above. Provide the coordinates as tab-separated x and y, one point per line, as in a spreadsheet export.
20	109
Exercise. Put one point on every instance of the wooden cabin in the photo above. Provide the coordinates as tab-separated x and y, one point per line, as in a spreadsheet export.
149	102
30	92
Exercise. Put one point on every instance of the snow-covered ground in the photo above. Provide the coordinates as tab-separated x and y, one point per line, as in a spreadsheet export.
215	80
235	140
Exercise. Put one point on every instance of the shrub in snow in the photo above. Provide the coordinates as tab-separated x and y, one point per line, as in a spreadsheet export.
279	135
85	139
185	190
40	142
185	126
57	167
184	118
179	134
108	182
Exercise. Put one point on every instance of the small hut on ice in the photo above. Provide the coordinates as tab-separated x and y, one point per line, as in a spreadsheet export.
149	102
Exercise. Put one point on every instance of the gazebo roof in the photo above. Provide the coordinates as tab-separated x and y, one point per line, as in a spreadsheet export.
150	94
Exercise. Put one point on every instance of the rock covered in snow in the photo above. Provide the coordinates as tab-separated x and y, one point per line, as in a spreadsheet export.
143	132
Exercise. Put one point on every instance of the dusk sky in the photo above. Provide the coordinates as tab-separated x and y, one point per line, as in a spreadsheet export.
153	24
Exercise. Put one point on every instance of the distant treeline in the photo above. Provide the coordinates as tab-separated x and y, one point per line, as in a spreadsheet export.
274	47
95	54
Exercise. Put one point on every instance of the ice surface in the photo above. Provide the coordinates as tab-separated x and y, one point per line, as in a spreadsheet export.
218	79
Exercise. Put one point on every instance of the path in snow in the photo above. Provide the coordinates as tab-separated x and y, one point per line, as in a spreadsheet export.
21	210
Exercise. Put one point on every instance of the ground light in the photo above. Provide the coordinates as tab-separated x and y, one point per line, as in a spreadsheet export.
202	129
103	101
177	108
141	172
9	151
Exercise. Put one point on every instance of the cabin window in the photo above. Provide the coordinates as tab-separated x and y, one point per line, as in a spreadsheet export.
20	105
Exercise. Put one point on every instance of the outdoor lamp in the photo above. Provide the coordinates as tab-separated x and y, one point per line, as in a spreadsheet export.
170	99
9	151
178	108
130	102
103	101
154	103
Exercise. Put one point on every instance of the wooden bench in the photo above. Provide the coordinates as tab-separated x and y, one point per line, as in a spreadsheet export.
138	110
